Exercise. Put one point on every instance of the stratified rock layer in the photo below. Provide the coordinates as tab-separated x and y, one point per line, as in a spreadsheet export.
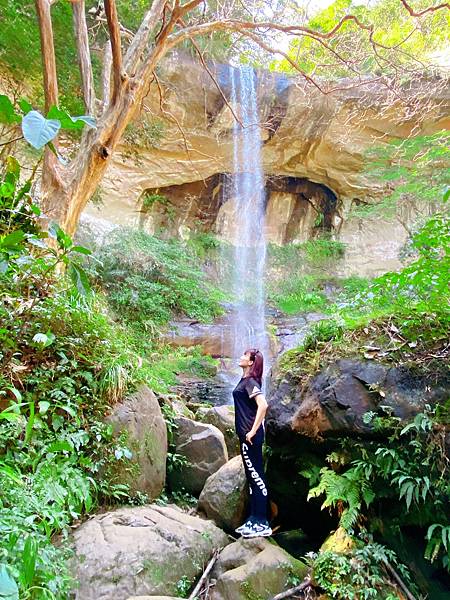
317	146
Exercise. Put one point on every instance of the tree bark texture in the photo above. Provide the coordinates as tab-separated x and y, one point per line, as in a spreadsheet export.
84	55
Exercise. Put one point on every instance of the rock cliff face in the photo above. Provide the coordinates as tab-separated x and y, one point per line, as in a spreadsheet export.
174	173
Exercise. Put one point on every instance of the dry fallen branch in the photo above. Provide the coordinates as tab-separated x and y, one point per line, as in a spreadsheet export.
294	590
203	578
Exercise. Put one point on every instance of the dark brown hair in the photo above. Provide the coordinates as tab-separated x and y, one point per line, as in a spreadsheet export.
256	370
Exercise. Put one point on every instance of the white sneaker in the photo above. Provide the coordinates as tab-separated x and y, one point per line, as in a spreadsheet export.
257	530
244	526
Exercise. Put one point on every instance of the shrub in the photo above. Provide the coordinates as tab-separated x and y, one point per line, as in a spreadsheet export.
148	280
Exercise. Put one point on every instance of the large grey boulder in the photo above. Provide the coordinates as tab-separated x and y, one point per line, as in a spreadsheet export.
333	403
254	568
141	551
140	420
224	498
204	449
223	418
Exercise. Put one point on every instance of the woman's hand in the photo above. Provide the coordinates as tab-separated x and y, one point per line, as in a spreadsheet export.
251	434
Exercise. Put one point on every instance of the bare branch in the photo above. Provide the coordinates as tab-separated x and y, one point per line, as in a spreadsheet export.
48	53
106	75
114	34
84	55
208	70
139	43
426	10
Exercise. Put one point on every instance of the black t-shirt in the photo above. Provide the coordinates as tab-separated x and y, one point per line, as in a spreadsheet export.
245	406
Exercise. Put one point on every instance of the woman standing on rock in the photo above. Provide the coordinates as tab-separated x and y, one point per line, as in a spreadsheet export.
250	408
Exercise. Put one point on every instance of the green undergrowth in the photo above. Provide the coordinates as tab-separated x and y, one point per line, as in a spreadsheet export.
401	317
149	281
64	363
362	572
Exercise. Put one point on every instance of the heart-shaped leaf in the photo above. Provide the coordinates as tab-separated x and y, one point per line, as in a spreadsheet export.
7	113
68	122
25	105
8	587
38	130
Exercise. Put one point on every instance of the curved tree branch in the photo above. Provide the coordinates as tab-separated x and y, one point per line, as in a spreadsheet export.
114	35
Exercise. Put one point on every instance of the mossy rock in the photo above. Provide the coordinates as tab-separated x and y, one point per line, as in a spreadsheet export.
255	569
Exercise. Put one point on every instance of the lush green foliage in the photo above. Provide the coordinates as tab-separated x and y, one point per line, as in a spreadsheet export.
63	363
409	467
149	280
416	168
359	573
393	27
20	50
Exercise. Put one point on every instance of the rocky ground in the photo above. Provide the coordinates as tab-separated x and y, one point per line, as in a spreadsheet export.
139	552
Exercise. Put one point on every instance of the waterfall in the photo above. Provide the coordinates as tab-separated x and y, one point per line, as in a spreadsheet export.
247	192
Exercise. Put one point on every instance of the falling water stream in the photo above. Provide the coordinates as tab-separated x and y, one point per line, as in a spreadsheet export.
248	328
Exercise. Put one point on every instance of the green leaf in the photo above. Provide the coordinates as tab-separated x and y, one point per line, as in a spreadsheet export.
25	105
43	406
29	555
8	115
38	130
13	240
13	475
79	279
55	232
30	424
68	122
61	446
13	167
8	586
81	250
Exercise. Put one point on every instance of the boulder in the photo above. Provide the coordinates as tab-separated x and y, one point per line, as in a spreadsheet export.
338	541
334	402
222	417
140	420
204	448
154	598
141	551
224	498
254	568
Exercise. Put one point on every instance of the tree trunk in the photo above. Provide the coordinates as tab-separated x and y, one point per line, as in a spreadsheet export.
74	185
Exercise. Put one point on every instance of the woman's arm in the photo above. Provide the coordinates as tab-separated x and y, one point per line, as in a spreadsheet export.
260	414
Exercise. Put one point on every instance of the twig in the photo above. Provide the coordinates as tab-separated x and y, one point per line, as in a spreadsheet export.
206	572
11	141
298	588
397	578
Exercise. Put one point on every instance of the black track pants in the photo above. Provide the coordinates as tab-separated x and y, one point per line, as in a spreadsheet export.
254	470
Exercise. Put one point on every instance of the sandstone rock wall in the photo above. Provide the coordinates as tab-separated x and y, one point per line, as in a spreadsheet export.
307	135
